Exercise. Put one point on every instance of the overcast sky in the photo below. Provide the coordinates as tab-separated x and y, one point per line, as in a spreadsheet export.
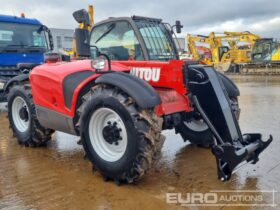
197	16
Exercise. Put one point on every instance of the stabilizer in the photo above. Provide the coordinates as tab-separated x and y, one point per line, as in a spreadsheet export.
230	147
228	157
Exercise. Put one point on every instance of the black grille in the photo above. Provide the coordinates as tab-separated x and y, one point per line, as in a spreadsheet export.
7	72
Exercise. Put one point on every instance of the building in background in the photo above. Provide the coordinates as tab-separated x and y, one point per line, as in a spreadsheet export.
182	44
62	39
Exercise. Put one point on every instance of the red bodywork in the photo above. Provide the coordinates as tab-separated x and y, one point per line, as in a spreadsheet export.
47	84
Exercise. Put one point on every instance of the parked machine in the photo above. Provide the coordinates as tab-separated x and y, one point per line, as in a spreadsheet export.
265	58
22	40
197	132
227	55
118	102
266	49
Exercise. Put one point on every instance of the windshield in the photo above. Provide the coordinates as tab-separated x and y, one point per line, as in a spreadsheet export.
262	51
117	40
157	40
21	36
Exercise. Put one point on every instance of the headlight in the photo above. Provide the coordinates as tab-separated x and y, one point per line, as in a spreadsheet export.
2	85
98	63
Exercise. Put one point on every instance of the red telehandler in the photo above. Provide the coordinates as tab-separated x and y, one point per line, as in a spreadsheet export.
119	100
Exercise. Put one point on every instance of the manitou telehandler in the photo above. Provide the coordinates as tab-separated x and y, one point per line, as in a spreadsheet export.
118	102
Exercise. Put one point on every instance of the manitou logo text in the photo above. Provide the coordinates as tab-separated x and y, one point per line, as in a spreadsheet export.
148	74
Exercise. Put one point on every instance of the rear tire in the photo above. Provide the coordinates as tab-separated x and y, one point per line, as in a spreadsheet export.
196	130
120	139
23	119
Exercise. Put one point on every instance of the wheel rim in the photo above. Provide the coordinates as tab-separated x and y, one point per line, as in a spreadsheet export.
107	149
197	125
20	114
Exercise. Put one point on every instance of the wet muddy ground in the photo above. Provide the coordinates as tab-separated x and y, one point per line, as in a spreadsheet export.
57	176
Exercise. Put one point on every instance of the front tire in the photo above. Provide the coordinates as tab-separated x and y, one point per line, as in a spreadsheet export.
23	119
119	138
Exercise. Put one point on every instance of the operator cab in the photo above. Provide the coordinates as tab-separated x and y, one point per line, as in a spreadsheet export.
17	37
130	38
136	38
264	49
222	51
22	40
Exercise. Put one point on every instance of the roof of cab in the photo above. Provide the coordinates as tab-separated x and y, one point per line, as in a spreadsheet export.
20	20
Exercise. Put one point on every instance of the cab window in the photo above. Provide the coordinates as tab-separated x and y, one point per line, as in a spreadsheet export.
38	39
6	36
117	40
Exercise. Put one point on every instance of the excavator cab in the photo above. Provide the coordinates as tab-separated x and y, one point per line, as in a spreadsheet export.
264	50
222	51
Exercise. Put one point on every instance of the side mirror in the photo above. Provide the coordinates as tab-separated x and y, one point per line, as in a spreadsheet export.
82	42
178	26
82	16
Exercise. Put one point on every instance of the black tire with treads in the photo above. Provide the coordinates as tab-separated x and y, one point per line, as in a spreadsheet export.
204	138
36	135
143	129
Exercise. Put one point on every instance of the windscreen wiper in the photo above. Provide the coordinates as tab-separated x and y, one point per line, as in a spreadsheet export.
34	46
110	28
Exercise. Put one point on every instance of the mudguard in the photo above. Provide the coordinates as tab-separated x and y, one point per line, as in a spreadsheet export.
144	95
2	96
229	85
71	82
16	79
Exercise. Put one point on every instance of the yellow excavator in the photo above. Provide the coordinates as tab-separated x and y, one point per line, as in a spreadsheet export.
265	58
226	52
